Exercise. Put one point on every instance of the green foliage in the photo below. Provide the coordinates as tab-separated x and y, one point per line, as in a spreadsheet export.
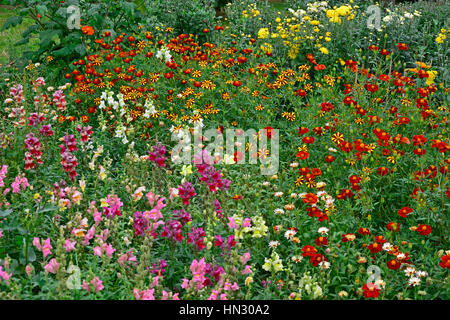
186	16
59	31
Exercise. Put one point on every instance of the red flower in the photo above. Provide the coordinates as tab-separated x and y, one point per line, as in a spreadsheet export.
302	155
88	30
308	140
382	171
445	261
321	241
424	229
393	226
419	151
394	264
268	131
419	140
403	212
371	290
317	258
402	46
308	251
310	198
364	231
371	87
302	131
329	158
375	247
380	239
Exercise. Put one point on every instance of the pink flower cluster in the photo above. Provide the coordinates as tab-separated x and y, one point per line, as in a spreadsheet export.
3	173
218	242
69	161
85	132
196	237
213	178
126	257
173	230
148	294
52	266
199	279
4	275
46	130
34	153
59	99
149	221
157	155
186	191
34	119
114	205
45	247
21	182
104	249
95	285
17	93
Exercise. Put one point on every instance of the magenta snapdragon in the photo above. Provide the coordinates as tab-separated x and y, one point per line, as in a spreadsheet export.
157	155
34	153
186	191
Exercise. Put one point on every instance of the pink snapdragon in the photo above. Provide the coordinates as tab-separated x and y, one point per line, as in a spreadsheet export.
89	236
144	295
105	248
127	257
39	82
21	182
3	173
52	266
198	269
114	205
69	245
95	285
45	247
4	275
34	119
59	99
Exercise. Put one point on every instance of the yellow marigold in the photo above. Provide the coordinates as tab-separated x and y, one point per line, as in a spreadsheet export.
263	33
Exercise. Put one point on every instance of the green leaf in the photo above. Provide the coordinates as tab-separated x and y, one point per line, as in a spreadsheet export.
50	207
48	36
30	30
23	41
80	49
141	5
12	22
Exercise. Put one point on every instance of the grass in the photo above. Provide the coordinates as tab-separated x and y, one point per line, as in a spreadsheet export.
9	52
